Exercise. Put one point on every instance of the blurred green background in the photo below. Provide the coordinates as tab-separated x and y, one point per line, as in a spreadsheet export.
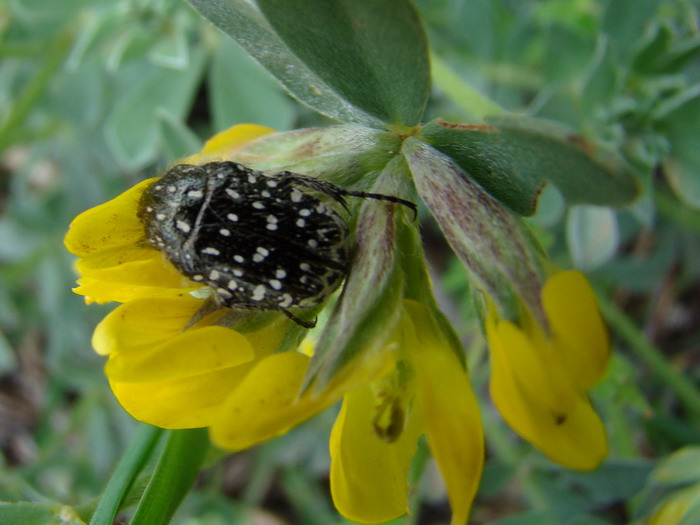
96	95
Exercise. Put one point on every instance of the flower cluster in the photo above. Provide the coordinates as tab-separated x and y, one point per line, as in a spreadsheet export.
175	362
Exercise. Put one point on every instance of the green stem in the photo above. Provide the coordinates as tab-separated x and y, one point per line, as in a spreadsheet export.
131	463
57	51
685	390
173	477
670	207
463	94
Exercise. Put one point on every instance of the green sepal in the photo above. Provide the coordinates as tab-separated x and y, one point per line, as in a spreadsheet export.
340	154
513	158
418	286
362	61
494	245
370	305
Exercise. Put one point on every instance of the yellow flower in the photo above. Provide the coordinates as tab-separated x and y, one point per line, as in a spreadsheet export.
173	365
431	395
540	377
161	373
115	263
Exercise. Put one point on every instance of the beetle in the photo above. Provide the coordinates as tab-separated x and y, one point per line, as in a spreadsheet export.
258	241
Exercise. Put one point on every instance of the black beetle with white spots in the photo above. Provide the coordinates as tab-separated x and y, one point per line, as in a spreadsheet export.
258	241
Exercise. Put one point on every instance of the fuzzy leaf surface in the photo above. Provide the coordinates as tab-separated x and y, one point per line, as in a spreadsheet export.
355	61
514	158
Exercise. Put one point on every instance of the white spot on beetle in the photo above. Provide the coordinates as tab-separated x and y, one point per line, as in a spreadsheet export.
258	293
286	300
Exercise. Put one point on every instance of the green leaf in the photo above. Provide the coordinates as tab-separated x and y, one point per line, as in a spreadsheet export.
683	466
178	140
373	53
38	514
615	480
660	53
592	235
495	163
531	517
354	61
600	83
680	119
241	91
512	158
132	130
625	20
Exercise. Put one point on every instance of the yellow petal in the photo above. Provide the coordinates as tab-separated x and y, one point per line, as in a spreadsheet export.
188	402
538	364
150	276
449	408
267	403
109	225
578	329
574	438
224	144
368	475
193	352
138	325
100	292
266	340
146	342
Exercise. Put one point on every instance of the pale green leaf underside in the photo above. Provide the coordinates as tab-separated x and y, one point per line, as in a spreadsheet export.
363	62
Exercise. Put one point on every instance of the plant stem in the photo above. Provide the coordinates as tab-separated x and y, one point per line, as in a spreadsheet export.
687	393
173	476
462	93
128	468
